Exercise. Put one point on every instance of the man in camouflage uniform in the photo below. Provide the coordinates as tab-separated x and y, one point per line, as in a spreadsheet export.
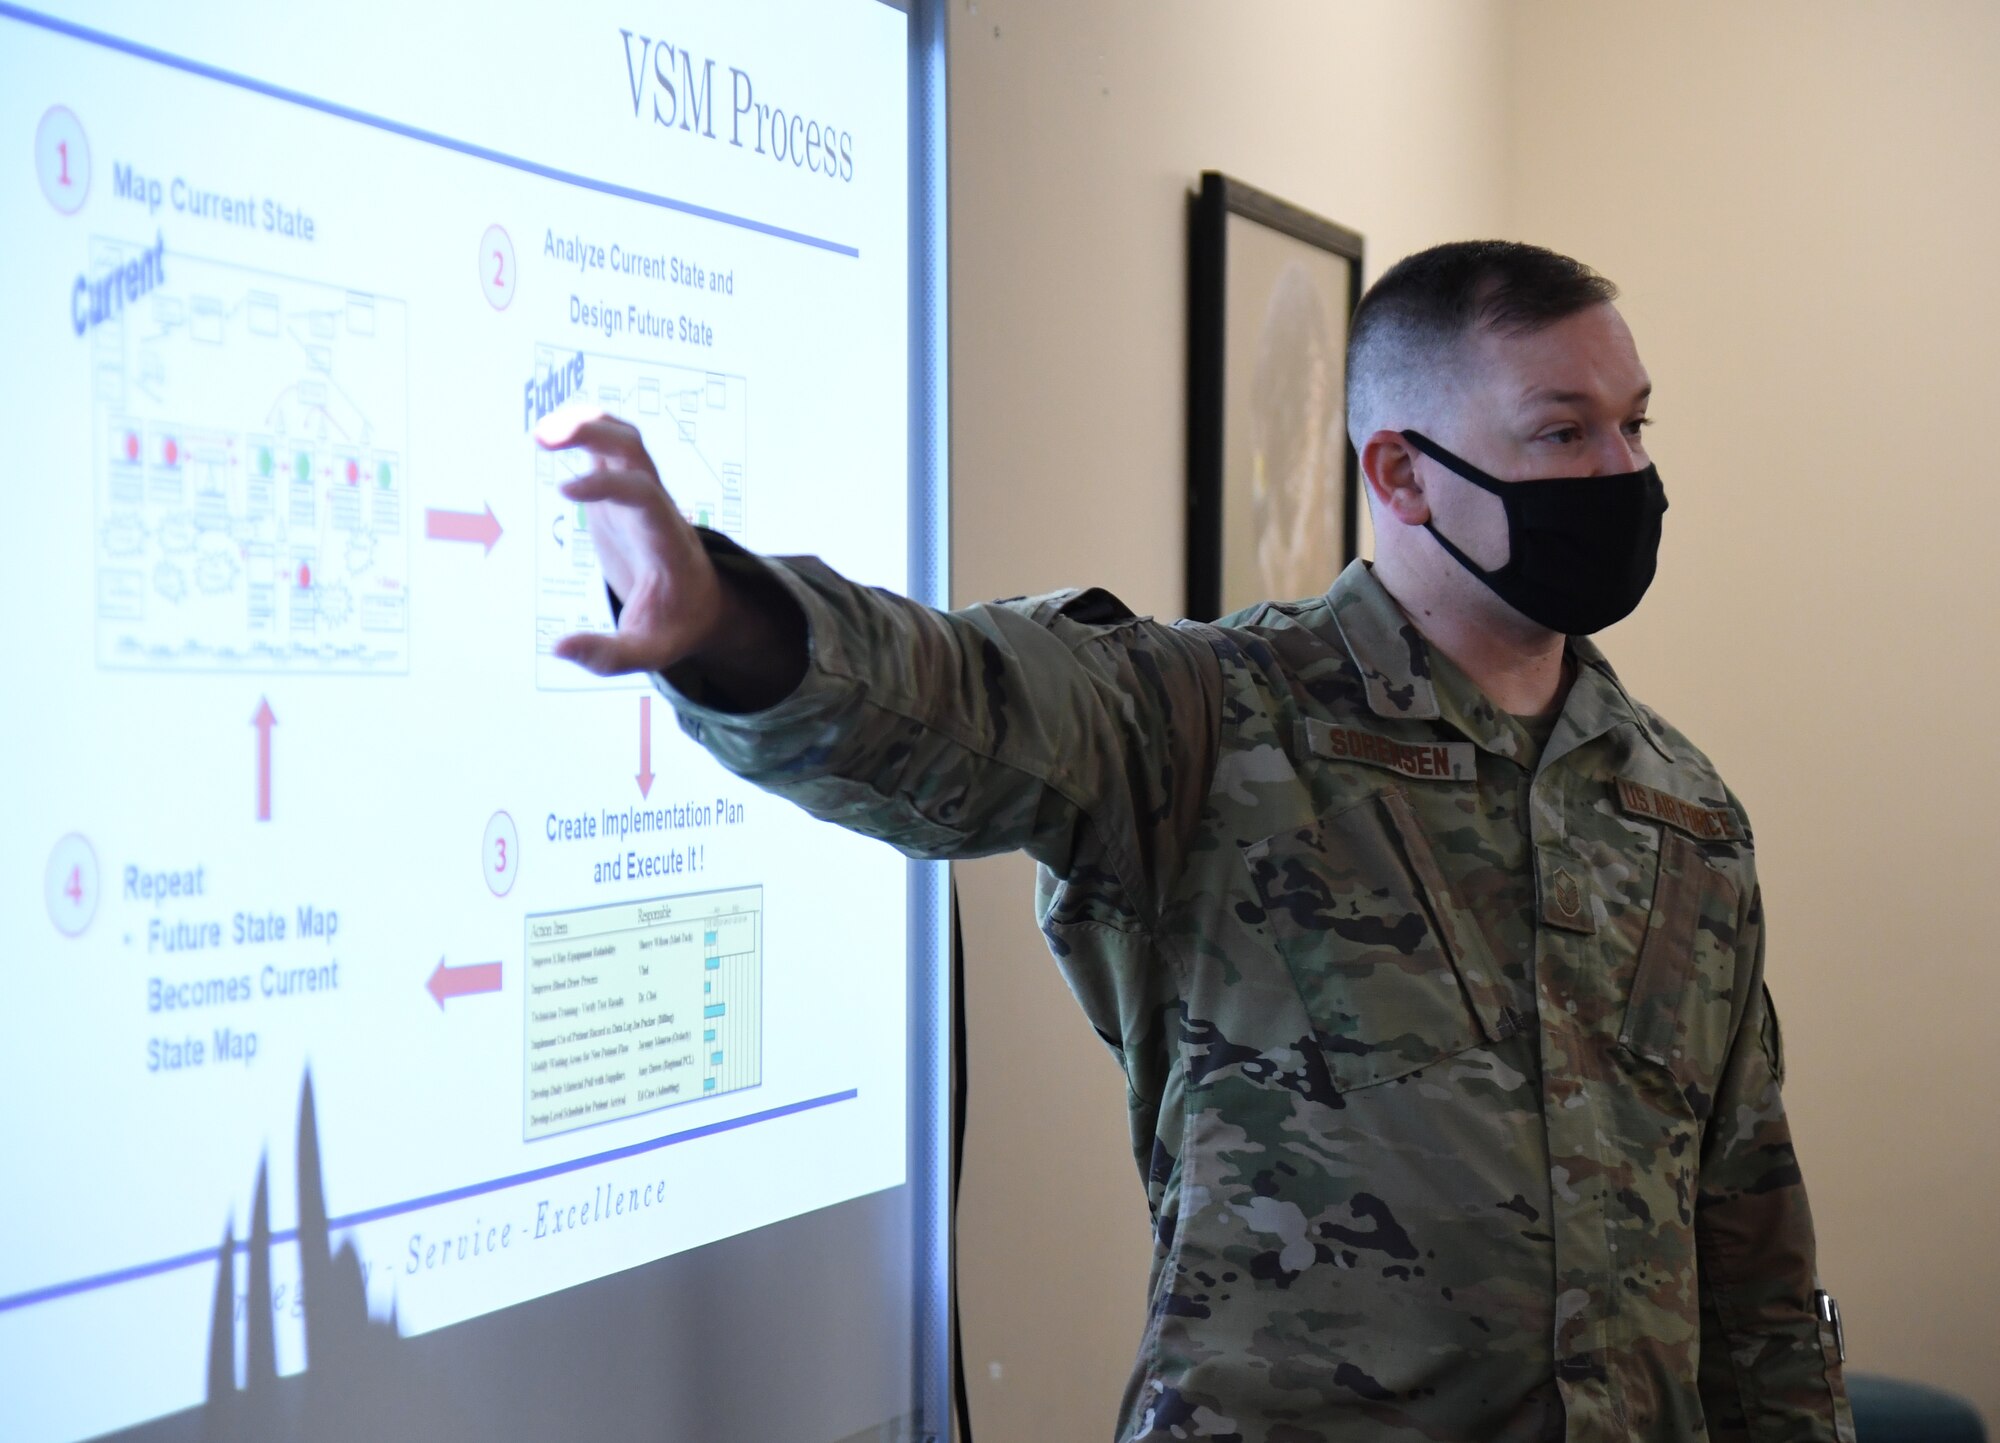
1434	961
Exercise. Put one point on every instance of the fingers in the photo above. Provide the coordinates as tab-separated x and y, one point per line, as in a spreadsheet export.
629	488
581	424
605	655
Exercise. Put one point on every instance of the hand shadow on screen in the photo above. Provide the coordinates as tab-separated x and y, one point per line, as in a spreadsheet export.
352	1382
349	1384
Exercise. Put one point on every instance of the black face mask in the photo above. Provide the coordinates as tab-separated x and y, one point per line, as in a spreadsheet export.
1581	550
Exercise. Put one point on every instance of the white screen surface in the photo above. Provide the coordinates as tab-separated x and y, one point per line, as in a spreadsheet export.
293	786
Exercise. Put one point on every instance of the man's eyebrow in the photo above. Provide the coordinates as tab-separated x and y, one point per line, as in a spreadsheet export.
1550	396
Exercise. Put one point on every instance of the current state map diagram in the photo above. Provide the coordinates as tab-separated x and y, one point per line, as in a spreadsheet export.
696	428
252	508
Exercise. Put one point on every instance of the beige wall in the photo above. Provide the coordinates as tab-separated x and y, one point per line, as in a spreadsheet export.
1077	130
1799	200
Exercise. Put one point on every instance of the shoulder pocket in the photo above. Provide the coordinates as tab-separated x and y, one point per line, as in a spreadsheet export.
1679	1010
1394	972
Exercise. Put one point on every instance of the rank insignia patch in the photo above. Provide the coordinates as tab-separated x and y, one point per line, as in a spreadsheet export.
1565	904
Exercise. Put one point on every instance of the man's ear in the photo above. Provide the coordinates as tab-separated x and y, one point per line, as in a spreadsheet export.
1389	469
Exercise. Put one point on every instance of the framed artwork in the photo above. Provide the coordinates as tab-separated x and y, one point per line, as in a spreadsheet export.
1273	485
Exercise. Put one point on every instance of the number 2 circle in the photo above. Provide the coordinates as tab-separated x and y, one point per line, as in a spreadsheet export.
496	267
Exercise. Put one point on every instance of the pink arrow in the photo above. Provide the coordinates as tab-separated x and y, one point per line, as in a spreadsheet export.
463	526
263	721
462	981
645	746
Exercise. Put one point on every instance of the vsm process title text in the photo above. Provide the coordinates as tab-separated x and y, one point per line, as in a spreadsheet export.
678	90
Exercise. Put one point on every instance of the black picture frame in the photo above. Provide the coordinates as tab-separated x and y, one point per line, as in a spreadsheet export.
1218	314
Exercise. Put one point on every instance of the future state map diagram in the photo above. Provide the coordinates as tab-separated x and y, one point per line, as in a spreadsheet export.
696	428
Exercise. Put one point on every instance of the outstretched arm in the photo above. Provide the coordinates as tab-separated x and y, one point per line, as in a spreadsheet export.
1064	726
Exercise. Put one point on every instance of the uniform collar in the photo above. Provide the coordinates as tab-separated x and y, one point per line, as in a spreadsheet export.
1598	703
1407	681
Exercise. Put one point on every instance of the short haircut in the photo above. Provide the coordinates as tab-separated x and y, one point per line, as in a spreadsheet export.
1408	328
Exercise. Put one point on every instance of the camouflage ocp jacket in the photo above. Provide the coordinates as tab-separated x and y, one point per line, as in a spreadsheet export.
1453	1080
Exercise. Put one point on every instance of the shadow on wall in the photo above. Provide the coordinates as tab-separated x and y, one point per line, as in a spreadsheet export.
349	1388
352	1388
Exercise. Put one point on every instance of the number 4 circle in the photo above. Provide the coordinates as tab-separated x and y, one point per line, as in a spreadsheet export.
500	854
71	888
496	267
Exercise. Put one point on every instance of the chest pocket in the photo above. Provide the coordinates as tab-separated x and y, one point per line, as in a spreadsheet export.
1393	970
1683	989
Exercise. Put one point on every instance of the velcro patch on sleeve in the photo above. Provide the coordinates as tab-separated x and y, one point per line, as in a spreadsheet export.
1704	824
1421	761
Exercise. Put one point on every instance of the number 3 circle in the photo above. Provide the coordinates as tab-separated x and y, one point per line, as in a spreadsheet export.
500	854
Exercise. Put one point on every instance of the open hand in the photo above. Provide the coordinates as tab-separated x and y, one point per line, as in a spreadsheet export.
652	558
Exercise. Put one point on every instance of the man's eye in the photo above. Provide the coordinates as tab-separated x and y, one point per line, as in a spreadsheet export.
1637	424
1563	435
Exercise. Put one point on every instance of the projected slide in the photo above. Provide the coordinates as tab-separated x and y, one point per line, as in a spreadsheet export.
368	969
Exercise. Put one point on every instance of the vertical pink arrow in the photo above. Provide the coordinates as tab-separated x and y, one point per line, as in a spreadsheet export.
645	746
263	721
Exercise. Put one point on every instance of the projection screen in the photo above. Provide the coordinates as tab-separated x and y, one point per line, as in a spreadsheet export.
408	1034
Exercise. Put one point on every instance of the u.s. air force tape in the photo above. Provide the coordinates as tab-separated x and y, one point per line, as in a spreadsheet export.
1705	824
1424	761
